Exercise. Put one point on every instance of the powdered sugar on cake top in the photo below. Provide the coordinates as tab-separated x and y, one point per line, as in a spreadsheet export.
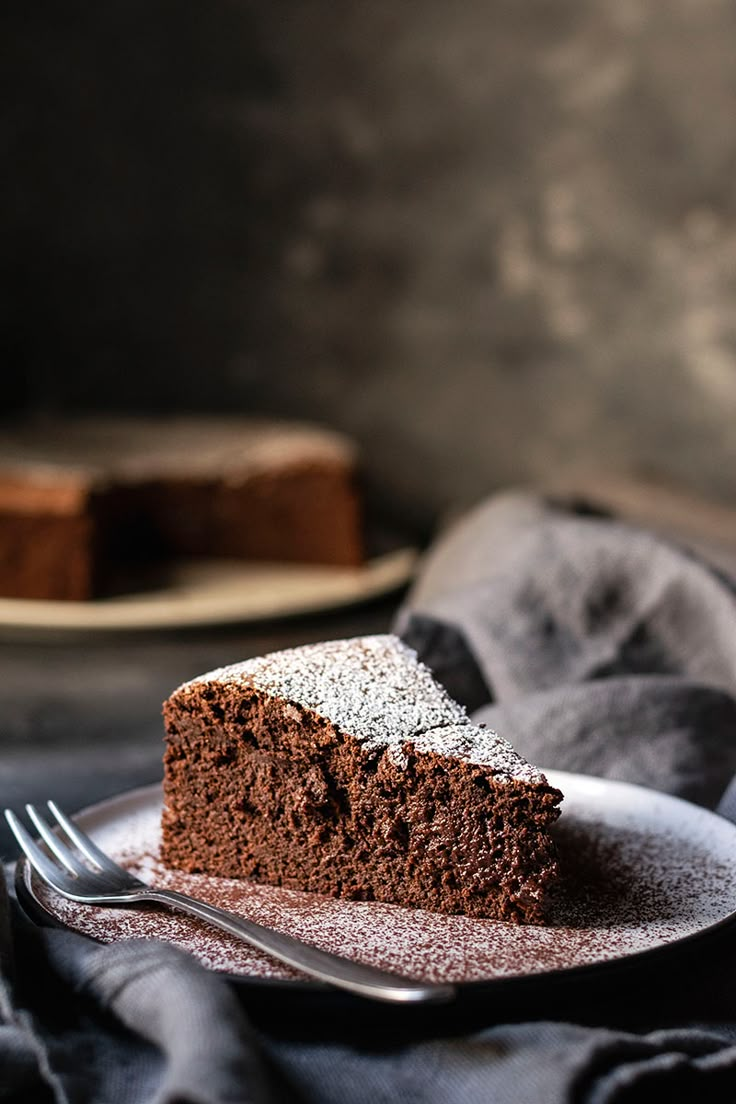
375	689
137	449
479	745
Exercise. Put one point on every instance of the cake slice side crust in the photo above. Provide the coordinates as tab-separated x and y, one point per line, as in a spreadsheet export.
263	788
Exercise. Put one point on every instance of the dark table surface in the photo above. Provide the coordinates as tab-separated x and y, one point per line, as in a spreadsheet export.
80	716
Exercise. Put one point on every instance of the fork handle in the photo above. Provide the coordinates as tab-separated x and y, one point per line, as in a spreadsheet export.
356	977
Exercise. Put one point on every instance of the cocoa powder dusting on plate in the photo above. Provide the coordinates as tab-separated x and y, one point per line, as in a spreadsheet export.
625	888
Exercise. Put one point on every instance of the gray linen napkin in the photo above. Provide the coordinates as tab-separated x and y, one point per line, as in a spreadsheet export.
142	1023
138	1021
594	647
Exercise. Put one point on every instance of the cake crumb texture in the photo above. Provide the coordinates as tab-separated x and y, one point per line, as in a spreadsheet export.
344	768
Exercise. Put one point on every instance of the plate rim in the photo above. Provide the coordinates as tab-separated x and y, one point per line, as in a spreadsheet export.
379	575
42	917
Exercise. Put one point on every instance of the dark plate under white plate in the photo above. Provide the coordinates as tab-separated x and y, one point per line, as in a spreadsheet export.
643	873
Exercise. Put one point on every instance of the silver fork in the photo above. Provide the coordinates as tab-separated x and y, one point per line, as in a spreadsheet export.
105	883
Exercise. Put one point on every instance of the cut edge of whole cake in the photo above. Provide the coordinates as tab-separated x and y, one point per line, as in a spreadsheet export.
89	504
344	768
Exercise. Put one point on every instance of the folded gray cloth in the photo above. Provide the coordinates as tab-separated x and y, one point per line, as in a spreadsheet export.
590	645
595	648
142	1023
135	1021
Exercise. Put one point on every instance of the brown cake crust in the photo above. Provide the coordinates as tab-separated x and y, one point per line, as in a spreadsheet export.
263	787
48	535
48	556
104	493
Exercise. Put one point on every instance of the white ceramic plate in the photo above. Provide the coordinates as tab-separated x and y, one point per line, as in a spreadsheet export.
643	871
207	592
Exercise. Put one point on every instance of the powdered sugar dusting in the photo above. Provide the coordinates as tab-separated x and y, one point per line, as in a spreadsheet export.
627	886
481	746
142	448
375	689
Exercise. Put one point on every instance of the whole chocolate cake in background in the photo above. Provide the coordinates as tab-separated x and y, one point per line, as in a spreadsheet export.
345	769
81	497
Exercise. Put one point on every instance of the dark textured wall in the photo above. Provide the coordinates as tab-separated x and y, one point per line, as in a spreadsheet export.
493	240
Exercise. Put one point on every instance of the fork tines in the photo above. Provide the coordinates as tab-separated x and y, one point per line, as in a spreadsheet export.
73	873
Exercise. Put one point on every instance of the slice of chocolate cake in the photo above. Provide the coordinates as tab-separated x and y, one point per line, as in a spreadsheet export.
345	769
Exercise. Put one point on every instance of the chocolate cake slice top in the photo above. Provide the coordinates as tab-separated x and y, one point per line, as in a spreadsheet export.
375	689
